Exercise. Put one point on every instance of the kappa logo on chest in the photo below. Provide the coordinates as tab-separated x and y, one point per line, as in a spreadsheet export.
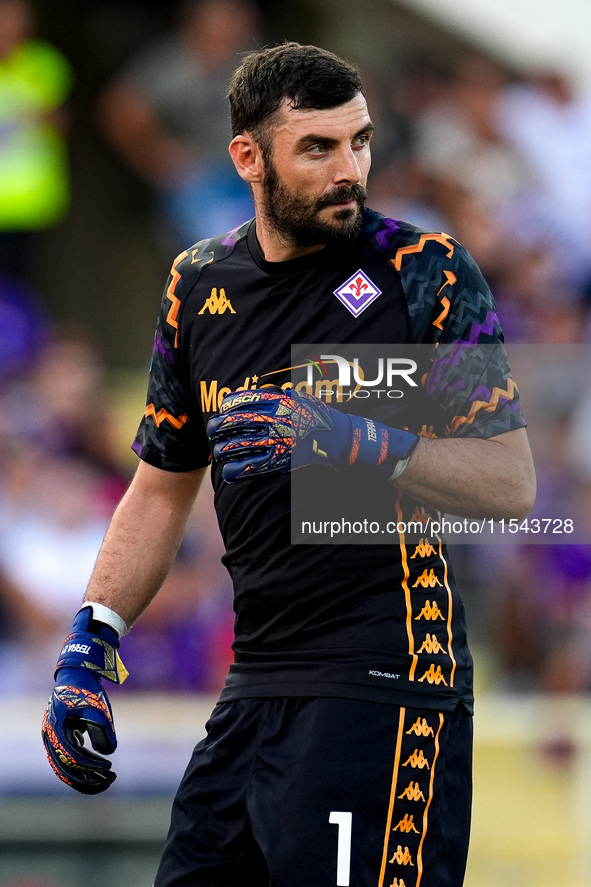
217	303
357	293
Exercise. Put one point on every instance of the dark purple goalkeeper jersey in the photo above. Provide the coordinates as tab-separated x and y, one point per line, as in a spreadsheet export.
381	622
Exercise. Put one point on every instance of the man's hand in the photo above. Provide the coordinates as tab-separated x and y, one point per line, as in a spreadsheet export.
264	430
79	706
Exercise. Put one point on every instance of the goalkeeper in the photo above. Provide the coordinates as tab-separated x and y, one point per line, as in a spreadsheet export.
340	749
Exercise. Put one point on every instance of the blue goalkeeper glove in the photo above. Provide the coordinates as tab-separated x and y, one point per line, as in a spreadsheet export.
79	706
261	431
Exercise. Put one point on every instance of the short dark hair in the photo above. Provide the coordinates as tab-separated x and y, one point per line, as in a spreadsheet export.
309	77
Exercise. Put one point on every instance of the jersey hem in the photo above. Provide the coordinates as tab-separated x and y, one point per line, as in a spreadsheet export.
363	693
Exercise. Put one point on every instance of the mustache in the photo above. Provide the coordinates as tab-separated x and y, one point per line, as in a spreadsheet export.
343	194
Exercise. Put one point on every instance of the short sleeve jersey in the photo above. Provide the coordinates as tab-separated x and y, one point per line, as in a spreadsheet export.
382	622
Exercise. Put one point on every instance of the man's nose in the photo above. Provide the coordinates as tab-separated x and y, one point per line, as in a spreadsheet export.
347	168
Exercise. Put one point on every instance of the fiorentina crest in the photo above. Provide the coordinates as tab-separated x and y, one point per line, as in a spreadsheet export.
357	293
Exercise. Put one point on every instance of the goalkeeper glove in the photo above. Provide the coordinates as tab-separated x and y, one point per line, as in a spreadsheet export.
264	430
79	705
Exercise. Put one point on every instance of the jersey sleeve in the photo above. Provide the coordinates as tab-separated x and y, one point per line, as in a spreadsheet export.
171	434
470	377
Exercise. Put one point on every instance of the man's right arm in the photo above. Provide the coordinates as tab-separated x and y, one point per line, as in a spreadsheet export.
137	553
142	540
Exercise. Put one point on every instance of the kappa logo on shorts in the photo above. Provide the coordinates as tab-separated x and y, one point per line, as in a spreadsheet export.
357	293
217	303
414	787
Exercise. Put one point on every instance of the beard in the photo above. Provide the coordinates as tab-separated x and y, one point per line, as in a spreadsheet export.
297	219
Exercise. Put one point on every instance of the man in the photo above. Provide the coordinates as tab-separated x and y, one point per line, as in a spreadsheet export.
340	749
164	115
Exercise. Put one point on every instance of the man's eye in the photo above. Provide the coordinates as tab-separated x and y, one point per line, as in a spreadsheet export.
361	141
317	149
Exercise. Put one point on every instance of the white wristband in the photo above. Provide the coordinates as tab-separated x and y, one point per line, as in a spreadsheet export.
399	468
109	617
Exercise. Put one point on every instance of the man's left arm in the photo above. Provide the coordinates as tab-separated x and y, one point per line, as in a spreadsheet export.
480	477
473	477
482	467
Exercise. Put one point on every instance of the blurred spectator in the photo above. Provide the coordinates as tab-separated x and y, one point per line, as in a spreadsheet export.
542	624
51	527
167	115
61	407
456	138
539	595
549	124
59	483
49	539
471	168
459	174
35	81
24	328
535	302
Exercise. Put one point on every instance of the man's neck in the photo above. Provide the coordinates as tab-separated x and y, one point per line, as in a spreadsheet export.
276	248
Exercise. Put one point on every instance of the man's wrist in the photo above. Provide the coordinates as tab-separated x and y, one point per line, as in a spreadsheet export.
398	469
93	644
108	616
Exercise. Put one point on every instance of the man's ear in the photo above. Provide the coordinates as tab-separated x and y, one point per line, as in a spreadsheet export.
247	158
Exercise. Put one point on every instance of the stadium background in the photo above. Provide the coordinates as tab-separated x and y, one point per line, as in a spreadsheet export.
76	326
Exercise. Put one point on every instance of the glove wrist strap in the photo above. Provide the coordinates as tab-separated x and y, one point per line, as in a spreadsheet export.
108	616
85	650
93	645
377	445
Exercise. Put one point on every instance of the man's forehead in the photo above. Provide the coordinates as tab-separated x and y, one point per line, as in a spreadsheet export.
352	115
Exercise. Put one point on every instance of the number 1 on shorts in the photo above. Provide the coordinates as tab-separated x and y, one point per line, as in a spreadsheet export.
344	822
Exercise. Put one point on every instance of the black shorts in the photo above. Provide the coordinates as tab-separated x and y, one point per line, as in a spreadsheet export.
321	792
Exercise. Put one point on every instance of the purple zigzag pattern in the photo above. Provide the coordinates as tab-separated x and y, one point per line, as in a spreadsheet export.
440	363
481	393
230	238
160	348
384	235
487	327
459	347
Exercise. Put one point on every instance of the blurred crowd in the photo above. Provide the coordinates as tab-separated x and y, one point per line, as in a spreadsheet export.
61	476
501	162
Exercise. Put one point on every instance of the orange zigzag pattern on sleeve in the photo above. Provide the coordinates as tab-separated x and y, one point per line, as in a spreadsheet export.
164	416
442	238
488	405
172	315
